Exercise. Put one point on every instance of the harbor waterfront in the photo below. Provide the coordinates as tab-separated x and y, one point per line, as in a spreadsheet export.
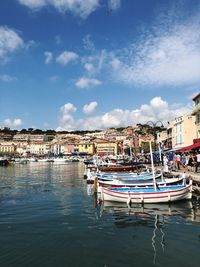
50	217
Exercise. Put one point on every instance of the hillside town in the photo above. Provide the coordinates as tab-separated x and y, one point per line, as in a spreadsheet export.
180	133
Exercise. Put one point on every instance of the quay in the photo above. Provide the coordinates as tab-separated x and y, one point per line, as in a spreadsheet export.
195	178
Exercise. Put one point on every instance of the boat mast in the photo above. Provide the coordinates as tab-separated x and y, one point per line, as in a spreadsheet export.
152	166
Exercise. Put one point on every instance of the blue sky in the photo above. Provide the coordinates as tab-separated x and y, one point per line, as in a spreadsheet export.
96	64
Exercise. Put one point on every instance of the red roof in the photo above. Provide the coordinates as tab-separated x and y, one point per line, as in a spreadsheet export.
193	146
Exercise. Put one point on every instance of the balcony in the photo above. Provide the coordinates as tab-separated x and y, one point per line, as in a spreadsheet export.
196	109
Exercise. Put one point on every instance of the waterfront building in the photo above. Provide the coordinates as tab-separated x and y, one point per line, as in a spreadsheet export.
40	148
86	147
22	148
7	148
58	147
196	113
69	148
107	147
183	131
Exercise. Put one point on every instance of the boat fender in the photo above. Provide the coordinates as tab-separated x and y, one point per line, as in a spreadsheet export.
128	199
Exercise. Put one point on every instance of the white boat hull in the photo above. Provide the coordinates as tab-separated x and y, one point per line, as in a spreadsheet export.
155	196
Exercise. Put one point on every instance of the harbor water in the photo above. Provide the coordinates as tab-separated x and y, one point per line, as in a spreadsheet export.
50	217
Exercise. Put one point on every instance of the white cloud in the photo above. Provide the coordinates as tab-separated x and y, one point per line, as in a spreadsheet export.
156	110
33	4
10	41
82	8
89	67
65	57
12	123
114	4
85	82
68	108
48	57
168	55
67	121
7	78
90	108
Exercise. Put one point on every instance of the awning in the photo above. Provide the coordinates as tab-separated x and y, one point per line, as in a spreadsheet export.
193	146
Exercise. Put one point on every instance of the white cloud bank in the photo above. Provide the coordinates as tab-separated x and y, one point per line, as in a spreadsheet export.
157	109
12	123
167	55
82	8
10	41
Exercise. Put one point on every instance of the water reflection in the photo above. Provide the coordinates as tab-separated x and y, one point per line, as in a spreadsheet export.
155	216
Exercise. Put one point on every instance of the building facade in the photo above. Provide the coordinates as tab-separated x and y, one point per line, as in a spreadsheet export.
183	131
196	113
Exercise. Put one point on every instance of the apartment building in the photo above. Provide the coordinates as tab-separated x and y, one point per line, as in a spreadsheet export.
108	147
183	131
40	148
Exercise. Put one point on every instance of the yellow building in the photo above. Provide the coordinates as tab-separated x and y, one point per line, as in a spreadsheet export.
196	113
108	147
183	131
85	147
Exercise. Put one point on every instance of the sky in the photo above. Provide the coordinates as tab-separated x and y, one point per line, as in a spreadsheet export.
97	64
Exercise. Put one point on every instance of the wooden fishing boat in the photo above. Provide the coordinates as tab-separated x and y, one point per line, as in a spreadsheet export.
148	195
91	176
120	183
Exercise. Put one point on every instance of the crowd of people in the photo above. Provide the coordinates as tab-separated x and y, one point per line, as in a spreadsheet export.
187	161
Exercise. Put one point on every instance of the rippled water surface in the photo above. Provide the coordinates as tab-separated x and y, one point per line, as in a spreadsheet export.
49	217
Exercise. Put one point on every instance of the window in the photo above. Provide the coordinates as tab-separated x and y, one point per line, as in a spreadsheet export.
198	118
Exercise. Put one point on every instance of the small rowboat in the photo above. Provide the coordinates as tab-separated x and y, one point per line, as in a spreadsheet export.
148	195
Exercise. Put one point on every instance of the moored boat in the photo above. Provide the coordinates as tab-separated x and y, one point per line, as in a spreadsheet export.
148	195
149	183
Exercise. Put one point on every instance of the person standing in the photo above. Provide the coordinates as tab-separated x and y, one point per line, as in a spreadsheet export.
178	160
165	163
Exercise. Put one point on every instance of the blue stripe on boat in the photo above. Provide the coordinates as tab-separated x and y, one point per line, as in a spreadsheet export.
161	189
